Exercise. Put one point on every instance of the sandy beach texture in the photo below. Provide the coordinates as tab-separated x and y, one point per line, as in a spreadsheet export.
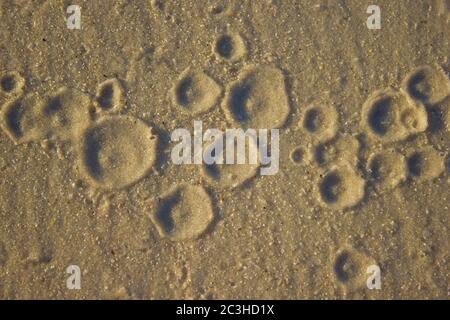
86	177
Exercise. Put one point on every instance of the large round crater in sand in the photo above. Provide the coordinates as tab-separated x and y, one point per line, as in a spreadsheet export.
183	213
258	99
117	151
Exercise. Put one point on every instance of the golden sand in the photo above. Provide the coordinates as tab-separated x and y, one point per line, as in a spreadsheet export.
86	177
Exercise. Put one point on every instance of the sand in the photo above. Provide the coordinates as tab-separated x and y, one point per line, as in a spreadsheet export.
85	153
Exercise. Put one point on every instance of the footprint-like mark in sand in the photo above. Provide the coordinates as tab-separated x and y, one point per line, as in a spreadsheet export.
230	175
350	267
427	84
321	122
230	47
109	96
389	116
195	91
20	119
12	83
183	213
388	169
66	113
258	99
117	151
425	163
341	187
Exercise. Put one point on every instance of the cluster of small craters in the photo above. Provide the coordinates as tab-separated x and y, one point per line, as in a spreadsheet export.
256	99
115	150
389	117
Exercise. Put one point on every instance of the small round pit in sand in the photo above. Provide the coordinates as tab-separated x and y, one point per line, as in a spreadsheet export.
230	47
195	92
341	187
109	96
427	84
320	122
350	268
12	83
425	163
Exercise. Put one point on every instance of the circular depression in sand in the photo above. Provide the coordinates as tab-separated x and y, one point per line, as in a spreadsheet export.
117	151
258	98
